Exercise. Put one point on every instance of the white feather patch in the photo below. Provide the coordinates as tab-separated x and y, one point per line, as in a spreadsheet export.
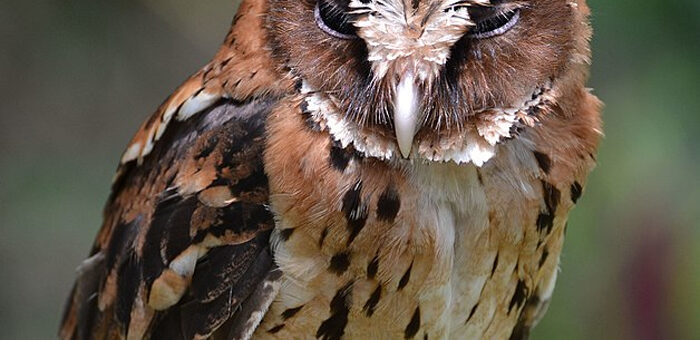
475	144
131	153
196	104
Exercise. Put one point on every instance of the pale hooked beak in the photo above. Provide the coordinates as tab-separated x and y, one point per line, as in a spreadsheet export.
406	106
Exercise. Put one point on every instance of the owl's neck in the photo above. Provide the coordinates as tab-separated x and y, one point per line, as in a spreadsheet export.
476	142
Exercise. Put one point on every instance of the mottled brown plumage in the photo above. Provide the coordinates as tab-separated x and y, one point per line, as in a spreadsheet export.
352	169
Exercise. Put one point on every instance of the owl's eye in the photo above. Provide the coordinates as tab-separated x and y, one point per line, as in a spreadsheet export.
491	22
334	20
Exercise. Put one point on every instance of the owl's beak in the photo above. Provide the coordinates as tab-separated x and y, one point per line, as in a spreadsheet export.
406	106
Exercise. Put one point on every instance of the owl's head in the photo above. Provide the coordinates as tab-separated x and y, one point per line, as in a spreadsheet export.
440	80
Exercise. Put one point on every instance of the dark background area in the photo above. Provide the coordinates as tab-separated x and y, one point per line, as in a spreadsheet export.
77	77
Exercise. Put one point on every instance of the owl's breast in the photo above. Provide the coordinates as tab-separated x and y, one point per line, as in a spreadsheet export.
370	249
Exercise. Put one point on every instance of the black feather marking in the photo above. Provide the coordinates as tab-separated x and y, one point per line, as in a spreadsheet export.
291	312
338	158
156	240
372	302
471	313
543	161
552	195
322	238
373	267
177	236
128	282
388	205
545	221
543	257
495	265
285	234
84	296
122	237
333	328
414	325
355	211
239	218
519	296
275	329
576	191
339	263
405	278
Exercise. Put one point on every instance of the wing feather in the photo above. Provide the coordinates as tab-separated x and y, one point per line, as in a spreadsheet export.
185	241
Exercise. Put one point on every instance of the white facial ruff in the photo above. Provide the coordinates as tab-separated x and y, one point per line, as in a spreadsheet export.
475	143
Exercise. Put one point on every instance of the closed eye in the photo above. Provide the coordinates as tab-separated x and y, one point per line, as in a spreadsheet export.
334	20
491	23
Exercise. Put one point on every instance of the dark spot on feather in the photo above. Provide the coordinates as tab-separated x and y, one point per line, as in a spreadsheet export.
275	329
291	312
333	328
543	161
479	177
414	325
285	234
388	205
373	300
321	239
552	195
355	211
471	313
545	221
338	158
373	267
495	265
405	278
543	257
519	296
226	61
576	190
339	263
414	4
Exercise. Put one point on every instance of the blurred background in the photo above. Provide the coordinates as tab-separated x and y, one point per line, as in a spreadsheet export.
77	77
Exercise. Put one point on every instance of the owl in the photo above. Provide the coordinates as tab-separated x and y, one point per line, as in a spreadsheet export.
352	169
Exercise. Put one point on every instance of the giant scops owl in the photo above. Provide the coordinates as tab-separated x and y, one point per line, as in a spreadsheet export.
352	169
